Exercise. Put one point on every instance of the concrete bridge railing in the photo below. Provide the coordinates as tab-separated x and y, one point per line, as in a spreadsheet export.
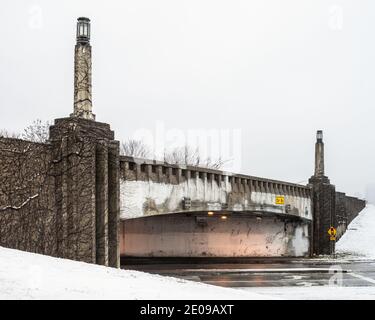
150	187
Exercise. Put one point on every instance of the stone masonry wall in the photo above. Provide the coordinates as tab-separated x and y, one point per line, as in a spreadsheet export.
28	220
347	208
61	198
87	189
324	203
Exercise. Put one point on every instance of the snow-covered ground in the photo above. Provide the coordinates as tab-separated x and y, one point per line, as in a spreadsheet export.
30	276
359	239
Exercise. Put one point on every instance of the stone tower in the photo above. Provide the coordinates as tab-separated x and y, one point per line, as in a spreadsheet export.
324	198
86	171
319	155
83	72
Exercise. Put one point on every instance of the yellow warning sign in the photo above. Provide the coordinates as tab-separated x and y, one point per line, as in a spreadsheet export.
280	200
332	238
332	231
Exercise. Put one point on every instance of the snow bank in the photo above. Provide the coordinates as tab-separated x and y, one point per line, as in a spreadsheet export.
359	239
31	276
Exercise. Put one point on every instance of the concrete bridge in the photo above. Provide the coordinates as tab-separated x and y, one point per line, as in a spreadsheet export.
171	210
182	211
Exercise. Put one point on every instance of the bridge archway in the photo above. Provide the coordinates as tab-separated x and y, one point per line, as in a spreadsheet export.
215	234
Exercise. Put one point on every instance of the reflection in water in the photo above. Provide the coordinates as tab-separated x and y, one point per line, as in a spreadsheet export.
238	275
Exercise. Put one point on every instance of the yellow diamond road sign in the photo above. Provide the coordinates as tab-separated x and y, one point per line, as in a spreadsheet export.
332	231
280	200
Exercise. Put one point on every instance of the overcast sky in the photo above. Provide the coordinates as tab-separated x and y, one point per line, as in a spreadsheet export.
273	71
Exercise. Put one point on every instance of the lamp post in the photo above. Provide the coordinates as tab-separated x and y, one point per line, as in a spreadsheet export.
82	72
319	136
83	30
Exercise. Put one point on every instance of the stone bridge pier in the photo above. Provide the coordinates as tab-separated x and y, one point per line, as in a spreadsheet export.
86	170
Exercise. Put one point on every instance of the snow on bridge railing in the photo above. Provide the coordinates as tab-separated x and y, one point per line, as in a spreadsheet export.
138	169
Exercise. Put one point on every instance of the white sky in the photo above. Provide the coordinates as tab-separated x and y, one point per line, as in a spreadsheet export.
276	70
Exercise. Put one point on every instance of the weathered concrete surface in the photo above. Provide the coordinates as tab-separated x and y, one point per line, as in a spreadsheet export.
86	171
199	235
331	208
152	188
83	77
324	199
324	214
347	208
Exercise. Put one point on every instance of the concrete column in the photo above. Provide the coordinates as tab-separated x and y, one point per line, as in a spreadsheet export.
149	171
86	172
210	185
324	203
61	187
324	198
226	182
74	167
102	204
246	186
113	205
137	171
319	154
159	171
240	185
125	168
179	176
169	175
70	205
205	187
82	72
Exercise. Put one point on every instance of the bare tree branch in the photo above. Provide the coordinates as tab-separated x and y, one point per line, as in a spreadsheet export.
38	131
21	205
134	148
192	157
6	134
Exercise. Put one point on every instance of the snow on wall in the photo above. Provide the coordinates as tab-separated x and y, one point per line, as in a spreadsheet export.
144	198
28	276
359	238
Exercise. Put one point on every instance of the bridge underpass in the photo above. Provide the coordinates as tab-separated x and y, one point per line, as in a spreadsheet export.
219	234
